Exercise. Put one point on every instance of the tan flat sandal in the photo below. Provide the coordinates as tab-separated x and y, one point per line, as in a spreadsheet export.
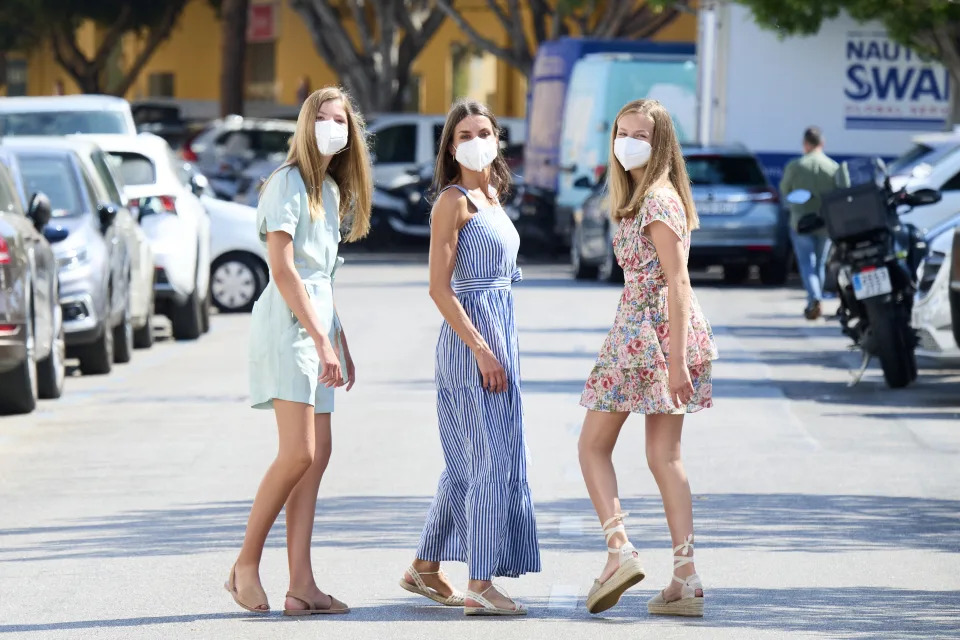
604	595
691	589
313	608
421	588
251	600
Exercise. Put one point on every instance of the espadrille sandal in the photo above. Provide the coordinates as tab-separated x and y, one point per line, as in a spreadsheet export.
604	595
313	608
421	588
691	589
487	608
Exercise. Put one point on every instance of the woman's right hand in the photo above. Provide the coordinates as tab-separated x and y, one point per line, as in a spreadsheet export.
331	375
494	377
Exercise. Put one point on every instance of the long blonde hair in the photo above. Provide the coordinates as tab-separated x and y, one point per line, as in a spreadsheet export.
350	168
666	166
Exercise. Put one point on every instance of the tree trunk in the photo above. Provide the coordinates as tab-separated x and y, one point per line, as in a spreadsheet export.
233	58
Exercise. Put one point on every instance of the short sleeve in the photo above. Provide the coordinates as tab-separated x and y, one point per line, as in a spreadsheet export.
661	206
280	205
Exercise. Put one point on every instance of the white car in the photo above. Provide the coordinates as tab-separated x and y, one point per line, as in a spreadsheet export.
166	200
932	316
933	162
63	115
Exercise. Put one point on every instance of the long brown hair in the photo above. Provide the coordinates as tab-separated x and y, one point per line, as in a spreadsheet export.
350	168
447	171
666	166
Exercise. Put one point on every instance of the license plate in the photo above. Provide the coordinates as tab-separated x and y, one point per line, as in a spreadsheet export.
870	284
717	208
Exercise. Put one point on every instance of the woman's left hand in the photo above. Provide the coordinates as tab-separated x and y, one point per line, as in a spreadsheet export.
681	386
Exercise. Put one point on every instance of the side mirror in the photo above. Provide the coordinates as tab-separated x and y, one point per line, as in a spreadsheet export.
799	196
198	184
583	182
922	197
40	210
107	214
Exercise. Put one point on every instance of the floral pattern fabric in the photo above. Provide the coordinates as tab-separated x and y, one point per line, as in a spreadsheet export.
631	372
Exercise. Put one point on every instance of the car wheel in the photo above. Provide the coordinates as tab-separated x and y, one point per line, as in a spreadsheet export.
18	387
51	371
236	281
774	274
736	273
97	358
581	271
186	320
610	270
143	337
123	338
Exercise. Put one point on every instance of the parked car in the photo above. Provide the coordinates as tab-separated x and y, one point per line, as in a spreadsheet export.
94	265
162	119
933	162
955	285
742	222
32	348
933	317
226	147
158	187
404	142
63	115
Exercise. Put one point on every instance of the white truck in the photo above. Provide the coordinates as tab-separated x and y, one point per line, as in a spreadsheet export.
868	94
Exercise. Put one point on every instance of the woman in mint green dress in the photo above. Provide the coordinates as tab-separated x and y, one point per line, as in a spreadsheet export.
298	350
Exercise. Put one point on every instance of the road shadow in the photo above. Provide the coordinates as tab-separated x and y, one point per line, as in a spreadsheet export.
855	612
766	522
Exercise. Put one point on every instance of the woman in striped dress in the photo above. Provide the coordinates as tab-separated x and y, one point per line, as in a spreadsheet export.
482	513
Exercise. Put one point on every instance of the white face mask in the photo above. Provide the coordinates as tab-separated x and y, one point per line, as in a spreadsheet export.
632	153
331	136
477	154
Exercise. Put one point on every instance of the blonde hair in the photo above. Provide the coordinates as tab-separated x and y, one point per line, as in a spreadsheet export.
666	166
350	168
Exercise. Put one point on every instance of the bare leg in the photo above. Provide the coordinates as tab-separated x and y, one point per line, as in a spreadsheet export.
301	508
295	454
663	457
597	440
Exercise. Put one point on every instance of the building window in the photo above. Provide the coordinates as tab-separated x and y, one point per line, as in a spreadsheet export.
160	85
411	95
261	74
16	77
474	73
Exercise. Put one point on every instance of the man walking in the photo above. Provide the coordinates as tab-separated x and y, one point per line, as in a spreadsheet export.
816	173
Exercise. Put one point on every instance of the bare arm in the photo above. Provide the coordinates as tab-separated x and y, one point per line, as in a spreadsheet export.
674	264
280	257
449	214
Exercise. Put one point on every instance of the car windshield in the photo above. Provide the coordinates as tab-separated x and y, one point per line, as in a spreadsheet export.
920	159
61	123
732	171
134	168
56	178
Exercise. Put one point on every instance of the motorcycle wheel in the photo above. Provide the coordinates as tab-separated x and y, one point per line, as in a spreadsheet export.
895	347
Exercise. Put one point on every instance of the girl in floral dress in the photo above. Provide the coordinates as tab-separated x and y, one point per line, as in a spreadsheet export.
655	361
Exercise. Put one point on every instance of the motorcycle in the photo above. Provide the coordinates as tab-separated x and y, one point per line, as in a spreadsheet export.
872	264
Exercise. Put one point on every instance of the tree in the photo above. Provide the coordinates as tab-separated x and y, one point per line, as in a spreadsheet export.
374	59
26	23
233	16
554	18
929	27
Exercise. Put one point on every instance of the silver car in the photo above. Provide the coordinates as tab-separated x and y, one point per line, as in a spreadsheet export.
94	263
31	327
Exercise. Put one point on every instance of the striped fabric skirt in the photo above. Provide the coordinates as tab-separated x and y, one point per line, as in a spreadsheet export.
482	513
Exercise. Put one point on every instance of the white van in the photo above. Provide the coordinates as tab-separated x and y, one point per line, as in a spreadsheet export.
401	142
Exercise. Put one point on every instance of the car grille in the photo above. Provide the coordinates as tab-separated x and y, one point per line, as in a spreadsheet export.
927	341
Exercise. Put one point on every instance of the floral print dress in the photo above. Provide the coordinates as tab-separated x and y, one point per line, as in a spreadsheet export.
631	373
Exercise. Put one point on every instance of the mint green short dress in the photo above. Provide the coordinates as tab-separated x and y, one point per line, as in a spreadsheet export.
283	358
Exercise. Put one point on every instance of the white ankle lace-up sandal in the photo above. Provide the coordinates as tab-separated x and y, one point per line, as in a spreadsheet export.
691	589
604	595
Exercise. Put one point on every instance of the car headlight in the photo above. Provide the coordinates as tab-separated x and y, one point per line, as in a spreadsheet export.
73	259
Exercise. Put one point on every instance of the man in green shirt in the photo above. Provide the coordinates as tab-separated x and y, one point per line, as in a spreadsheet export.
815	172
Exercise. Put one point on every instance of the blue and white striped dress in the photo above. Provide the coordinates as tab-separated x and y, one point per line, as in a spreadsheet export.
482	513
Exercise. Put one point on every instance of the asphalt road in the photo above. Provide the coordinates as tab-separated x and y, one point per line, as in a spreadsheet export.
821	510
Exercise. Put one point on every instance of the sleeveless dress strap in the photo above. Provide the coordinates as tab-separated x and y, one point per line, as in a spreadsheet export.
466	193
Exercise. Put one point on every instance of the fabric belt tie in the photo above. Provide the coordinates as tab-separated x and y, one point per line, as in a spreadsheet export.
486	284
